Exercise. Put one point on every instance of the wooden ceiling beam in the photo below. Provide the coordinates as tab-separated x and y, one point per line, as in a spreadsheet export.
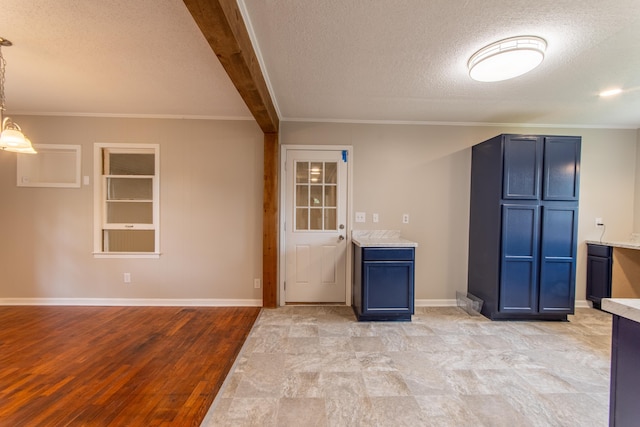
222	25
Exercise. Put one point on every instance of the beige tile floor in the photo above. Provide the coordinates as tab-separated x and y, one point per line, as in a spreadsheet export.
318	366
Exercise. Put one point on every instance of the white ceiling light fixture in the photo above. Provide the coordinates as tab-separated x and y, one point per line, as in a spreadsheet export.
506	59
610	92
11	136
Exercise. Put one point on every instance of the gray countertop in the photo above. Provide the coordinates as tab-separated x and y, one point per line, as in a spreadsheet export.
628	308
381	239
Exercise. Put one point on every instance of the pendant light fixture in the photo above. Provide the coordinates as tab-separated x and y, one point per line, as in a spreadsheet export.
11	136
506	59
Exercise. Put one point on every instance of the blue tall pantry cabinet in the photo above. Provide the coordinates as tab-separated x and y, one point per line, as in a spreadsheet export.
523	225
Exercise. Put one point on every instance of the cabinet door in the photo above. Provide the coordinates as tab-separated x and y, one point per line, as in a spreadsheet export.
558	259
519	264
625	375
387	287
522	167
598	278
561	179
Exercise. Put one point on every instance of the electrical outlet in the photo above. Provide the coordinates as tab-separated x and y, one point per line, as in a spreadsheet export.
127	278
256	283
376	218
599	222
405	218
361	217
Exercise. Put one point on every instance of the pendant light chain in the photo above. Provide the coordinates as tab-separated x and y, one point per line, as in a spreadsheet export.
3	65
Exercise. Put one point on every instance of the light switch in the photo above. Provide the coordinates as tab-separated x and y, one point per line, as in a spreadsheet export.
376	218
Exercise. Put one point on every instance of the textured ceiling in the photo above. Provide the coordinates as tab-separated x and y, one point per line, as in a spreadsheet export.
405	60
343	60
112	57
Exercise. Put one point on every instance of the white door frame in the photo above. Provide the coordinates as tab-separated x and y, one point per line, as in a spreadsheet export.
283	186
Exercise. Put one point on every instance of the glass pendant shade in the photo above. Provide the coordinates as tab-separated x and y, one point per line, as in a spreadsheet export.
12	138
507	58
26	148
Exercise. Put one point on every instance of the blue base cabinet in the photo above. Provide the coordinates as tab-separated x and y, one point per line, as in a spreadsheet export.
383	283
523	225
599	266
624	396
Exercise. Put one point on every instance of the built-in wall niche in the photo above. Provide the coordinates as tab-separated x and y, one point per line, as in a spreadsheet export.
55	165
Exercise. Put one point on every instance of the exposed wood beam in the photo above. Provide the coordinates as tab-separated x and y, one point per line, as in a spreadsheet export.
270	222
222	25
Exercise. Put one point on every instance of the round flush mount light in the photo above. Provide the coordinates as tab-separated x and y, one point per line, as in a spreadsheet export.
610	92
506	59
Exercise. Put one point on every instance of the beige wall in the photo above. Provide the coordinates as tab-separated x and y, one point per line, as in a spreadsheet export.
211	204
425	171
211	215
636	222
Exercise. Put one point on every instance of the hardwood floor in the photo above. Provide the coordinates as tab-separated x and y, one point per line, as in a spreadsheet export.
115	366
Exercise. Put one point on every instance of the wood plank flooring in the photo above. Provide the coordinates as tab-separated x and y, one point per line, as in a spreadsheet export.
115	366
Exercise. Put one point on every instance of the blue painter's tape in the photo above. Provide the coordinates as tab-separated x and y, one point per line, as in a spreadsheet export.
344	156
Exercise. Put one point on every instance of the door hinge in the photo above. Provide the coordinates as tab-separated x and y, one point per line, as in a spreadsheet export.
285	285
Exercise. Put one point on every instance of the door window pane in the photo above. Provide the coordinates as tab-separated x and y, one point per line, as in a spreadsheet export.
302	195
302	219
316	189
330	222
317	172
331	172
315	221
316	195
302	172
330	197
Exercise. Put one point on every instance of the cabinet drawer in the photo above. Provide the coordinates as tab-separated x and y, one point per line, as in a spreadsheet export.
599	250
387	254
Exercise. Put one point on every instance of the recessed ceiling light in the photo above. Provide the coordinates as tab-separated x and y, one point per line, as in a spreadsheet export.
506	59
610	92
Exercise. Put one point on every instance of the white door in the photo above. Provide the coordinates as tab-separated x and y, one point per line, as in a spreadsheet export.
315	226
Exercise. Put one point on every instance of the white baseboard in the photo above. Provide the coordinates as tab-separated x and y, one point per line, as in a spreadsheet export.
453	303
435	303
210	302
152	302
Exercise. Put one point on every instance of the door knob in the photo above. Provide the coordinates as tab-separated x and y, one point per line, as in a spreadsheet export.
341	237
